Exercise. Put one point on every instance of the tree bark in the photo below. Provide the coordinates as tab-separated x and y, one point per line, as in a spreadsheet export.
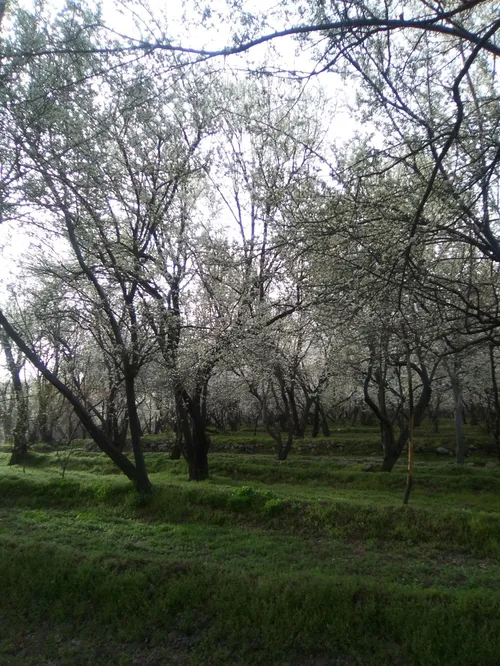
176	452
459	425
389	447
325	428
315	426
142	480
459	421
496	400
409	480
292	406
354	415
44	425
195	441
458	411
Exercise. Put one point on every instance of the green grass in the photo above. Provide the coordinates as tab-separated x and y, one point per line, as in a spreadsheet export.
305	563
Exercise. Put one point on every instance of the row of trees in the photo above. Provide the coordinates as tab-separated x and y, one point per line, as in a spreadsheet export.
299	387
190	230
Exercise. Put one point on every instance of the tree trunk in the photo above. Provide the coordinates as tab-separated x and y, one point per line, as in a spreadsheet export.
315	427
325	428
198	464
142	481
388	462
411	451
283	449
496	400
354	415
19	434
308	403
433	410
294	413
120	434
176	452
44	425
19	453
281	453
7	409
391	454
458	411
289	442
195	442
459	423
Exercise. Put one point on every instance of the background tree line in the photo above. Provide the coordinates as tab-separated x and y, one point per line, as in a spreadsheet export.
201	248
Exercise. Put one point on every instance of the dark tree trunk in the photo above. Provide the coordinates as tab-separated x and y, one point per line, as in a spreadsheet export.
19	434
294	414
285	419
7	411
389	446
116	432
281	453
289	416
496	400
44	426
389	460
234	424
354	415
196	451
315	425
120	434
458	411
283	449
459	428
19	454
320	420
433	410
198	463
325	428
142	481
176	452
308	403
195	442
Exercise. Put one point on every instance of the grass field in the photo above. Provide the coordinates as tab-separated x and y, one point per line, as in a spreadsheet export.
307	562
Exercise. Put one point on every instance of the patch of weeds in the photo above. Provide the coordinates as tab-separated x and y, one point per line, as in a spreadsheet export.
274	507
244	498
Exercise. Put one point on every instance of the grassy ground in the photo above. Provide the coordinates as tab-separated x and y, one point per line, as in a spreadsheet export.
308	563
343	440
